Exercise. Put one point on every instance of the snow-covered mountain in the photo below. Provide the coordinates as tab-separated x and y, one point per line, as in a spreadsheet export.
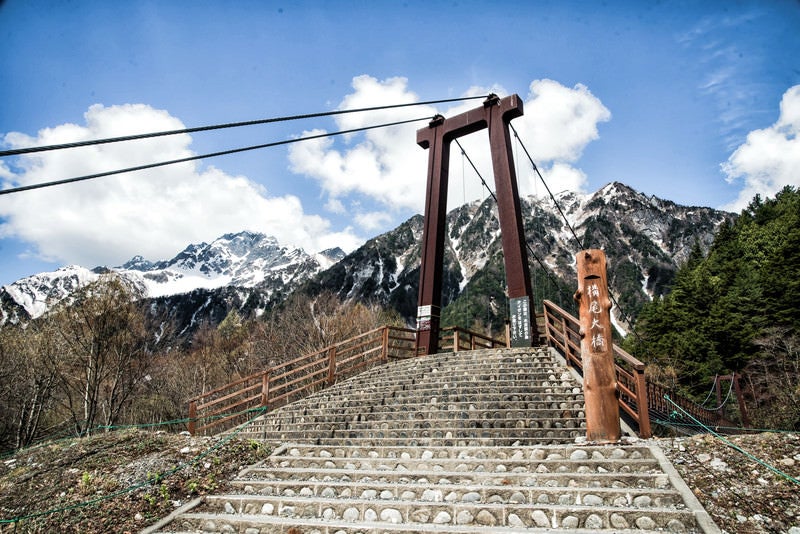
645	240
248	261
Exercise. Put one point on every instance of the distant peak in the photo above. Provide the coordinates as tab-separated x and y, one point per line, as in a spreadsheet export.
334	253
138	263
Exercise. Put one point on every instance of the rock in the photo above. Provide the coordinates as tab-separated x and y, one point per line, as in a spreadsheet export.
676	526
370	515
442	518
351	514
645	523
514	521
420	516
570	521
391	515
618	521
431	495
464	517
592	500
540	519
471	496
718	464
579	454
485	518
593	522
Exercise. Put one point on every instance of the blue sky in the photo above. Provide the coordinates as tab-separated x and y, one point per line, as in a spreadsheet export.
696	102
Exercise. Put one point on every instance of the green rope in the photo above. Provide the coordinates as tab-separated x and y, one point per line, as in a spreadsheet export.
674	415
734	446
153	480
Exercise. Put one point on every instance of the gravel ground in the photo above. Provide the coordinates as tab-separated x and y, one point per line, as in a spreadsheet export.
741	495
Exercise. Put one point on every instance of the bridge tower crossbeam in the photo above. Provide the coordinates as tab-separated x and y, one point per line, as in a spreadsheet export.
494	115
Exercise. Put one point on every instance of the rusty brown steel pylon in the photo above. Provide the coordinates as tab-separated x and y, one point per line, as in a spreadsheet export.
494	115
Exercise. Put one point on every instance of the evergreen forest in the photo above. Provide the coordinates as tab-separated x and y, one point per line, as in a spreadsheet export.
735	309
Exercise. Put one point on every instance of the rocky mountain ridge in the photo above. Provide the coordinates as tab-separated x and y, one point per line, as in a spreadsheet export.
247	260
645	239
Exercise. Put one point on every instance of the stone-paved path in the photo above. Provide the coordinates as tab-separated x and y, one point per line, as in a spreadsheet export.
480	441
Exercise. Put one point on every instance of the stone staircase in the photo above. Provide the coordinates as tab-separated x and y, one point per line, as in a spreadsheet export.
480	441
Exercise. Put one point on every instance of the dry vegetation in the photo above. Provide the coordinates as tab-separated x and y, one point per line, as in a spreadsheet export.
118	481
102	359
741	495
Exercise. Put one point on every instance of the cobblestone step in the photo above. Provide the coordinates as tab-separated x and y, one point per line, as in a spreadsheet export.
357	515
474	442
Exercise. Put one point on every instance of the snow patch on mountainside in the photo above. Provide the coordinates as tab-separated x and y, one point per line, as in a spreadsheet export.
244	260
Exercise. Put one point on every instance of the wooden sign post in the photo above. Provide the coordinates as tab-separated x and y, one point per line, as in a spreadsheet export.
597	352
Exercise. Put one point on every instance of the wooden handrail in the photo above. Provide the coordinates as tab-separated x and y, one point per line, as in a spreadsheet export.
562	332
637	396
226	406
475	340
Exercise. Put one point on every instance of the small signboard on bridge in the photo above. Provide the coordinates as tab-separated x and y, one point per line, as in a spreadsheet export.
520	322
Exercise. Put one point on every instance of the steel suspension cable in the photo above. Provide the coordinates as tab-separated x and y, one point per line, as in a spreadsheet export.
527	245
581	246
202	156
28	150
552	196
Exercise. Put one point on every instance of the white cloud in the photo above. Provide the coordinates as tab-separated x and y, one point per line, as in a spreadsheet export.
769	159
5	173
387	166
563	177
372	177
372	220
560	121
155	213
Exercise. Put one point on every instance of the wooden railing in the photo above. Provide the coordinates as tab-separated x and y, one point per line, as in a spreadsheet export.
661	408
562	333
239	401
455	339
638	397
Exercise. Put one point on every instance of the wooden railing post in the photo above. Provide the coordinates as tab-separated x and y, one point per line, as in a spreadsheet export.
385	345
265	388
332	365
456	340
642	404
742	408
192	417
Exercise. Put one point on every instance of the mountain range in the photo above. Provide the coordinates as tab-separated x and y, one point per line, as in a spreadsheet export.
645	240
